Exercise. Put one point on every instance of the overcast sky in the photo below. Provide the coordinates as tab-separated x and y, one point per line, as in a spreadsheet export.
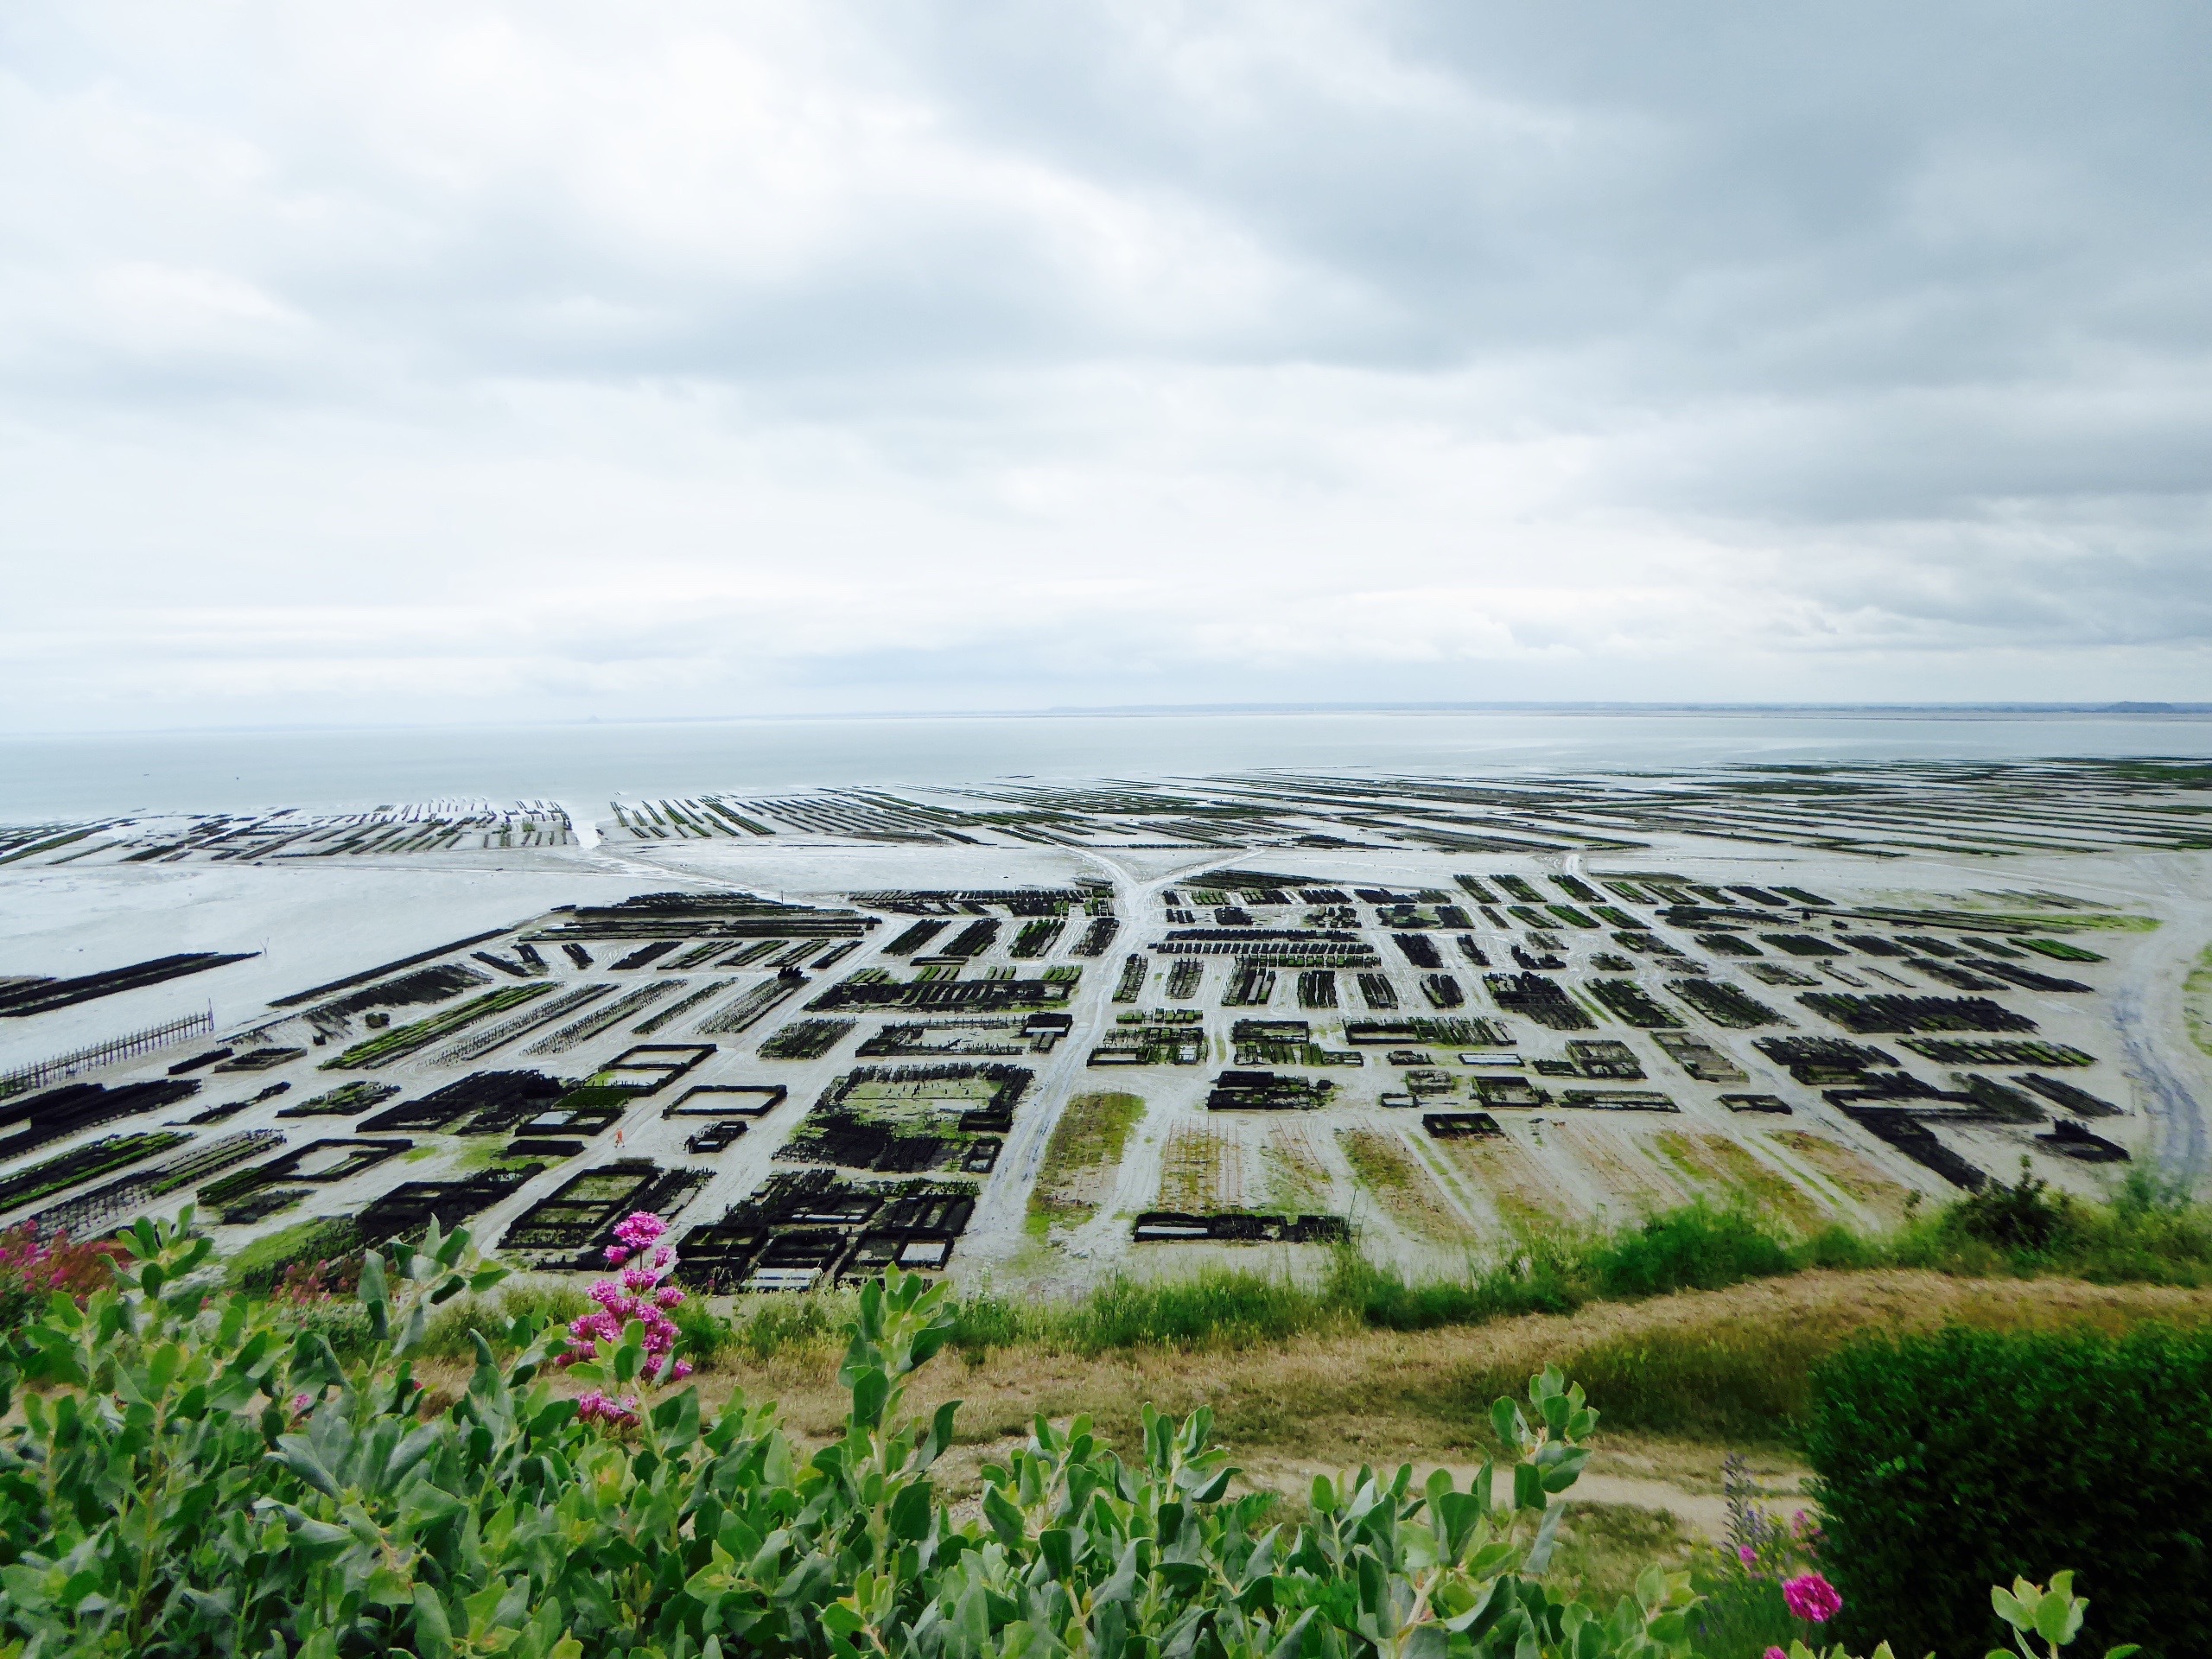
437	359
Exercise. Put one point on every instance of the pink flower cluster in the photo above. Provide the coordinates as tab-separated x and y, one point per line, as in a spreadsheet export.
1811	1598
23	1257
33	1269
597	1407
636	1293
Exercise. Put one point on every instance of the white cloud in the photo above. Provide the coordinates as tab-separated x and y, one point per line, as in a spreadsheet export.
475	358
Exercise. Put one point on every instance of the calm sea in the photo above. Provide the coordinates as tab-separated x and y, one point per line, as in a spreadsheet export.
48	777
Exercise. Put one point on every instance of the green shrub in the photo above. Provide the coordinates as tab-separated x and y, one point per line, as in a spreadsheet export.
2149	1232
701	1334
1947	1461
1694	1247
787	1322
1225	1306
1382	1298
2025	1216
983	1323
448	1335
194	1477
186	1479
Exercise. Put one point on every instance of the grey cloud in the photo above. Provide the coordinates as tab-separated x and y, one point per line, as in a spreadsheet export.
985	352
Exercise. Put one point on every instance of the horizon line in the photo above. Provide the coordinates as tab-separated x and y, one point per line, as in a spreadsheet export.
1144	710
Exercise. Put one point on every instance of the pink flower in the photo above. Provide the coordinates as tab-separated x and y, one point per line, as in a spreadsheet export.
1811	1598
635	1292
1774	1653
300	1403
1745	1553
596	1407
682	1370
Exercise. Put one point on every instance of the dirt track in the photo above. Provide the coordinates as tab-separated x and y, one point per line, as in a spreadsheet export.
1386	1397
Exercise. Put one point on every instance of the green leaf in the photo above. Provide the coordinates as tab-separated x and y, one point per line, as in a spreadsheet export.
871	1388
1056	1546
1212	1490
297	1454
1528	1487
1002	1517
910	1511
433	1633
2058	1617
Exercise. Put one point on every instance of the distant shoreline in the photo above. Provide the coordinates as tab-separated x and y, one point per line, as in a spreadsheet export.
79	776
2129	709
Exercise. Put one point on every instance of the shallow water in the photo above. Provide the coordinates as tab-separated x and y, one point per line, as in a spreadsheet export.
61	776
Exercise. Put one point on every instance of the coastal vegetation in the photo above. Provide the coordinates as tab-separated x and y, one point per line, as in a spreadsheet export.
191	1474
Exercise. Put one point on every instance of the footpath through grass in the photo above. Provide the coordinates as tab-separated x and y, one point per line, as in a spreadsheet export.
1703	1368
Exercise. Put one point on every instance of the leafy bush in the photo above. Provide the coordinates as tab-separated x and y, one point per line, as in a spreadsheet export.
185	1479
1945	1461
2026	1216
1694	1247
191	1476
2151	1232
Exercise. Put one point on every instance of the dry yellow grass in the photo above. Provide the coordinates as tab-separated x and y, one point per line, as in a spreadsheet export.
1297	1179
1200	1169
1850	1170
1404	1189
1391	1397
1729	1172
1633	1179
1526	1196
